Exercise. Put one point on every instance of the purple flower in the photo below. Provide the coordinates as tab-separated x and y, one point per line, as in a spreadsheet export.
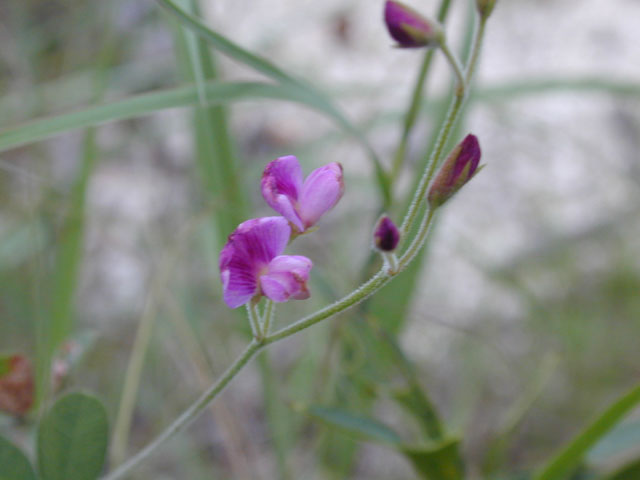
459	167
409	28
386	235
301	202
251	263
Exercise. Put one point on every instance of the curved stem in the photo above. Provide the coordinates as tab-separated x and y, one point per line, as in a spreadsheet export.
455	65
368	288
355	297
416	98
190	413
443	136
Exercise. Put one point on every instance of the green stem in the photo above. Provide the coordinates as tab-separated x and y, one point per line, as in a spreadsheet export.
374	284
371	286
418	240
254	319
366	289
269	310
190	413
416	100
443	136
455	65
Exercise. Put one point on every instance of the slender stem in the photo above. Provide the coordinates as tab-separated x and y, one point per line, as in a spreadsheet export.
443	136
269	310
368	288
455	65
416	100
190	413
254	319
418	241
391	262
374	284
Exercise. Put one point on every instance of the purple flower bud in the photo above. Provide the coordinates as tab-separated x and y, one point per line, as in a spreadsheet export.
251	263
386	235
409	28
485	7
459	167
301	202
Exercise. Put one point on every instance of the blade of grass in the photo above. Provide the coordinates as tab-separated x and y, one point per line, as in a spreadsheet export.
262	65
217	93
59	322
571	455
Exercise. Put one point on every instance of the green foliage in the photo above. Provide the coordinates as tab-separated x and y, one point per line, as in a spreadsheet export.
356	425
72	439
14	465
442	462
570	457
630	471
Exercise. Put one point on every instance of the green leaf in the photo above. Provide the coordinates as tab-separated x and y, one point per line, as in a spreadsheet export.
618	441
442	462
137	106
630	471
355	425
72	439
416	402
571	455
14	465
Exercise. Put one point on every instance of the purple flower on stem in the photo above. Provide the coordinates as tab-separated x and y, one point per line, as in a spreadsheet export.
459	167
252	264
409	28
386	235
301	202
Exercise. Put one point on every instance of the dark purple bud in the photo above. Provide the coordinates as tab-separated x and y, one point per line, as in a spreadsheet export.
409	28
459	167
485	7
386	235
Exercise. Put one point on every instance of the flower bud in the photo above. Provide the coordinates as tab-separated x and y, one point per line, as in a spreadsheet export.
459	167
409	28
386	235
485	7
16	385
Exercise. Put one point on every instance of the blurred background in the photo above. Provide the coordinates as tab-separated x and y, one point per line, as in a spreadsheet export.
522	321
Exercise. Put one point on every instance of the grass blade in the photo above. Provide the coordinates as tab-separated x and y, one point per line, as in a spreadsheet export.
570	457
262	65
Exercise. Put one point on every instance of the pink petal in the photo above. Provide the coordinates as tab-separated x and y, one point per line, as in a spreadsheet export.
281	185
249	249
320	192
286	278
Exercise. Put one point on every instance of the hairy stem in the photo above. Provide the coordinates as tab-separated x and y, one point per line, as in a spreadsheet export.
445	131
190	413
